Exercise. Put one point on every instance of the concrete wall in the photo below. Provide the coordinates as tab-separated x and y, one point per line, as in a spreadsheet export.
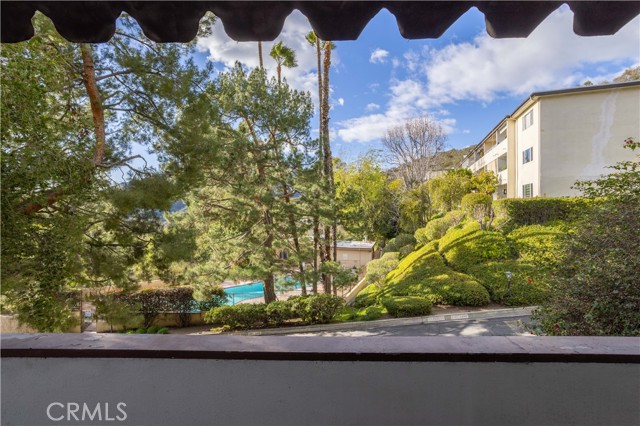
583	133
162	320
10	324
323	380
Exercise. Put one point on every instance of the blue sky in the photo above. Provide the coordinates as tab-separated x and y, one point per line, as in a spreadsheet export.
465	79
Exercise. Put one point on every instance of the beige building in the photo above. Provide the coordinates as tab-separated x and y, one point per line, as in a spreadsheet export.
557	137
355	253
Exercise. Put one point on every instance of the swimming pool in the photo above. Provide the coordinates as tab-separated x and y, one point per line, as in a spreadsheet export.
242	292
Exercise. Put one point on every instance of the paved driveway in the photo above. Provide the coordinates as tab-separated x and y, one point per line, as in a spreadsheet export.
480	327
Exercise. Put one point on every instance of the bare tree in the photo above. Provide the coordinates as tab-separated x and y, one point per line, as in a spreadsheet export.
415	147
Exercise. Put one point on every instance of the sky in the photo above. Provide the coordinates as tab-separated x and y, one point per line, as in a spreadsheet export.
465	80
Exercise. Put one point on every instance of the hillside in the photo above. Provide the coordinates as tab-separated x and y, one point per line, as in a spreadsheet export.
468	266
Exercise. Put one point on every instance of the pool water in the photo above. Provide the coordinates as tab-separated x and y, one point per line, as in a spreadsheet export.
248	291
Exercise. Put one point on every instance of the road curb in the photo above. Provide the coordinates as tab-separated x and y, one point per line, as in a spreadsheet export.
395	322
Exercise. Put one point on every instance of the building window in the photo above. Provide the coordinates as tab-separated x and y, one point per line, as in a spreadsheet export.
527	120
527	190
527	155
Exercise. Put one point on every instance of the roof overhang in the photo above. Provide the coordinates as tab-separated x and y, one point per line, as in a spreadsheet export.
177	21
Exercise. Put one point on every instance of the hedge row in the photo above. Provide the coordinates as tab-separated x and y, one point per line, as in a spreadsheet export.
151	302
406	306
513	212
315	309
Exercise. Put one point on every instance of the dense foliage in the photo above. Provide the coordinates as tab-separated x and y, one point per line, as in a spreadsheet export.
596	286
436	228
406	306
514	212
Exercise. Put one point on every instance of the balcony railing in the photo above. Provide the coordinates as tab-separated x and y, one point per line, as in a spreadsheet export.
238	380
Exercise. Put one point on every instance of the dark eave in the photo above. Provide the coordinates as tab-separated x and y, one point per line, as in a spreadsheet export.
177	21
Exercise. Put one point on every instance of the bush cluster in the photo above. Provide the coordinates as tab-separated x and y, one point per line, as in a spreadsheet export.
378	269
469	246
436	228
315	309
530	285
541	244
424	273
406	241
406	306
349	313
513	212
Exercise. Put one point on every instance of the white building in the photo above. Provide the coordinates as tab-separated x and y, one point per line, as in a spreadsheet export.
557	137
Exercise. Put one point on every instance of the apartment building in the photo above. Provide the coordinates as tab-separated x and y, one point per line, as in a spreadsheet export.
557	137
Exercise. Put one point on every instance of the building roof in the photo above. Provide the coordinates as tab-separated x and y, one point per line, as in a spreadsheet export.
177	21
363	245
536	95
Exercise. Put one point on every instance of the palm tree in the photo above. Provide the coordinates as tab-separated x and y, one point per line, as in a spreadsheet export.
283	55
260	54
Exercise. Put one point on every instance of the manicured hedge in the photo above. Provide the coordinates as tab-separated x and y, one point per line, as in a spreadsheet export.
319	308
407	306
541	244
348	313
436	228
529	284
243	315
469	246
514	212
424	273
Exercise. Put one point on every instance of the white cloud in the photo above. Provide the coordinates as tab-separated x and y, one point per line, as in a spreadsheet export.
551	57
466	131
378	56
372	107
341	101
395	62
407	99
223	49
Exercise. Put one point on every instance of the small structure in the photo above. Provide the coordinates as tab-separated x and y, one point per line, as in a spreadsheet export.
355	253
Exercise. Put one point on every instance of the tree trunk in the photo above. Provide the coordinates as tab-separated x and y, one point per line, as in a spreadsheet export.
260	55
316	245
97	110
269	289
328	160
296	241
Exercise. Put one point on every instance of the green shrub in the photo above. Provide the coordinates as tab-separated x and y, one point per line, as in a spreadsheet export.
368	296
395	244
208	297
424	273
348	313
513	212
239	316
529	285
163	330
141	330
378	269
469	246
477	206
406	306
436	228
370	313
278	312
153	329
541	244
316	309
